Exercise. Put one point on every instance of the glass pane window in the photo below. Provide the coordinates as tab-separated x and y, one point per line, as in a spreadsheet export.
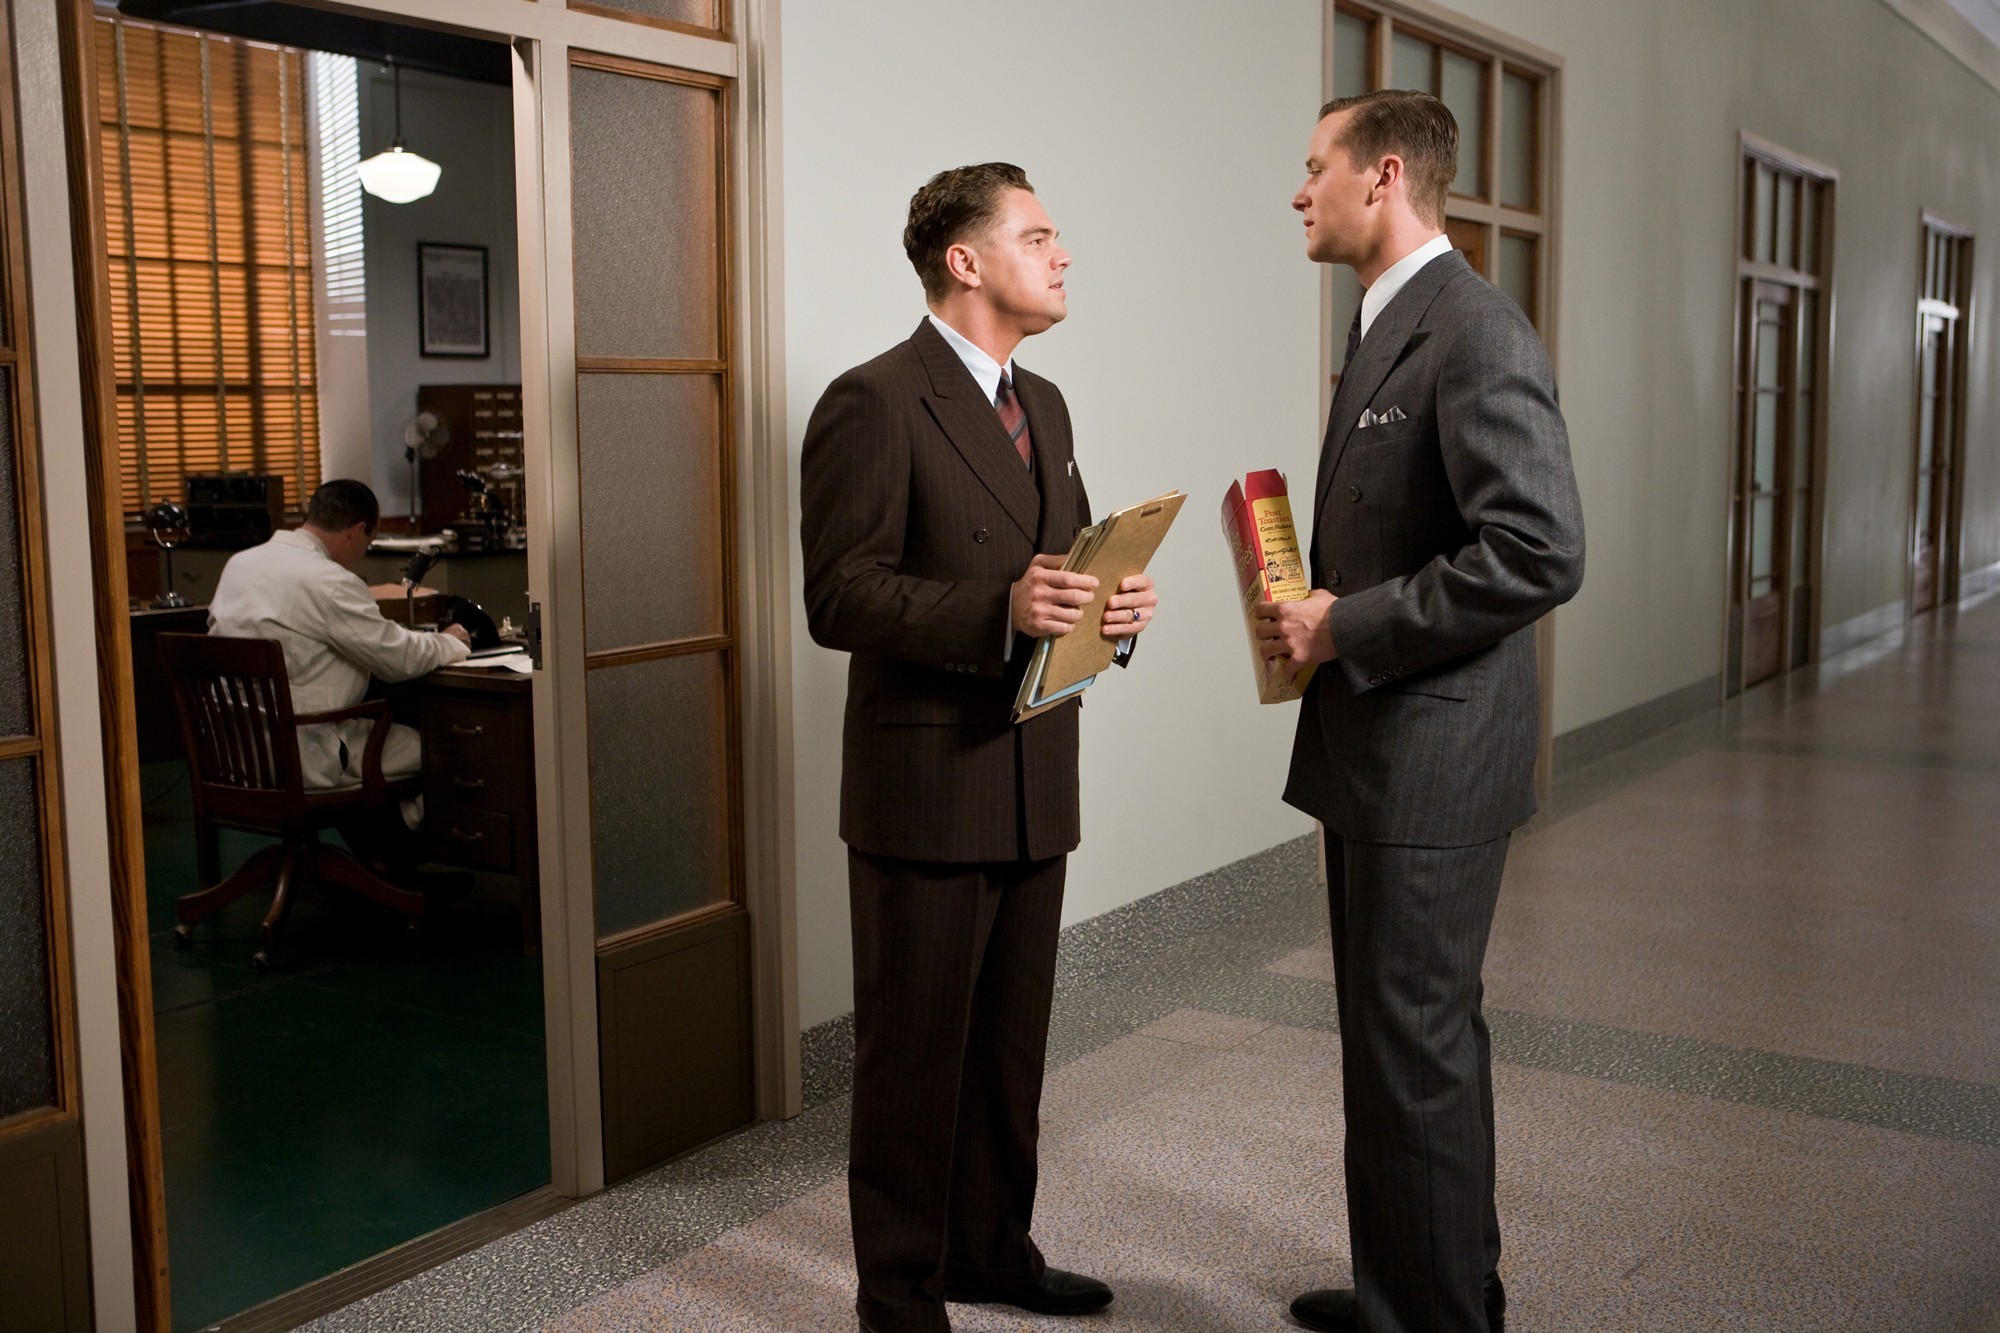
1517	270
652	496
1762	212
683	13
1464	93
1519	129
647	190
1808	339
1414	64
659	784
1353	37
1788	194
16	716
1809	226
1763	523
1769	332
1764	456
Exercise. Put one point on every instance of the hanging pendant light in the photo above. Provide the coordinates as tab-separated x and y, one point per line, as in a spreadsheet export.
399	175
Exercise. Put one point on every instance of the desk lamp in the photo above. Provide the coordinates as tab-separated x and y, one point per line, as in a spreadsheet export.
168	524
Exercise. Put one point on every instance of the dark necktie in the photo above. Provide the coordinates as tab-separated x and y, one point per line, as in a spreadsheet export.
1015	419
1353	342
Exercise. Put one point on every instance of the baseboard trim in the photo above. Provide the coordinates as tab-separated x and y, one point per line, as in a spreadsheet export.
1979	584
382	1271
1605	737
1852	633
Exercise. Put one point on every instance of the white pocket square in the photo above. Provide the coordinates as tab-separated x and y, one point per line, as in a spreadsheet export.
1369	418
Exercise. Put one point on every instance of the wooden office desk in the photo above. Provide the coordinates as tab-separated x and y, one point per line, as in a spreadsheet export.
479	779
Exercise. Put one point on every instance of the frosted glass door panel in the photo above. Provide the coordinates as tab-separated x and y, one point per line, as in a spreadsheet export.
27	1045
652	500
659	789
15	717
686	13
647	157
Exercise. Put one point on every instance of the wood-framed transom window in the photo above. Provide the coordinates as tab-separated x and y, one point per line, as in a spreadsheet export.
1502	94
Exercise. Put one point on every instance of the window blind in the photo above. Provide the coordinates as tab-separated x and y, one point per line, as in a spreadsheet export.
207	225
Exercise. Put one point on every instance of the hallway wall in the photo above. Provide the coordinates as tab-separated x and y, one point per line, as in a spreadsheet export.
1166	142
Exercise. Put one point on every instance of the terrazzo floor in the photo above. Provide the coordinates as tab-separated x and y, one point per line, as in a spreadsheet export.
1744	989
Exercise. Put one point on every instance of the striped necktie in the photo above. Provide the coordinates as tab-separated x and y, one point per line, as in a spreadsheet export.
1353	344
1015	419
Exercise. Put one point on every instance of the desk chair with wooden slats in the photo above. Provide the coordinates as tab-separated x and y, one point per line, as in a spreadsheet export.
234	697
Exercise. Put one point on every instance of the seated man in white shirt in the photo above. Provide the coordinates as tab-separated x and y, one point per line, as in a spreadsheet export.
300	588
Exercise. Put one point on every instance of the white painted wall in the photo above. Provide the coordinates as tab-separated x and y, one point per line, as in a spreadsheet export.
1166	141
1167	152
468	129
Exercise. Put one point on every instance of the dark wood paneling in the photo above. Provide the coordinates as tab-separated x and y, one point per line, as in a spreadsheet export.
674	1037
44	1262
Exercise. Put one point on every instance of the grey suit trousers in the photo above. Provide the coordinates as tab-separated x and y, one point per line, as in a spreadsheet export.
1410	926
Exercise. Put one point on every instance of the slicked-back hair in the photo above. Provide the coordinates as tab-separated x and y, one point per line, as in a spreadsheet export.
340	504
1415	127
953	206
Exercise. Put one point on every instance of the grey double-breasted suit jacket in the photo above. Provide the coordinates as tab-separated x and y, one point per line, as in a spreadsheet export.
1445	534
916	517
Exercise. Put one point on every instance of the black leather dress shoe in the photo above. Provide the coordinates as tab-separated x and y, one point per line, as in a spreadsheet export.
1056	1293
1334	1309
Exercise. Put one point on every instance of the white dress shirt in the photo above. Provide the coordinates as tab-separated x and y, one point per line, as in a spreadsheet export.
335	638
984	368
986	372
1398	273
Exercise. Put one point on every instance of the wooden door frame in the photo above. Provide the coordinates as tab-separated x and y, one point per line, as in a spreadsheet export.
542	32
1952	518
1743	271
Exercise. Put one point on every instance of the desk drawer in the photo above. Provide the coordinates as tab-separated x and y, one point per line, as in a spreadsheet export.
460	836
471	733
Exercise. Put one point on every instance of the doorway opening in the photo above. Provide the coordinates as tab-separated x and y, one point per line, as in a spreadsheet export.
331	1082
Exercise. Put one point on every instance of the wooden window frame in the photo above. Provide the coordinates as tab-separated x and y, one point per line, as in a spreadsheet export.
1504	54
1501	55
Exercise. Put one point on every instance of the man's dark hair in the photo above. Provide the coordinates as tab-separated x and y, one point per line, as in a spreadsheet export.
340	504
953	206
1415	127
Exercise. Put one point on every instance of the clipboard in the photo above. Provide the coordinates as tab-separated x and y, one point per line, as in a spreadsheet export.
1113	549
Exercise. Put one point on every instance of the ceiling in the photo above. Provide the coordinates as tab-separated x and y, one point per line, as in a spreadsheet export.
1981	14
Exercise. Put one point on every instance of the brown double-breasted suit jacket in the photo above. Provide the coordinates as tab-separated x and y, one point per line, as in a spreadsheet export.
917	515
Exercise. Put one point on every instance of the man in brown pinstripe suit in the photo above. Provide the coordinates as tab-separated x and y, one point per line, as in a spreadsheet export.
938	492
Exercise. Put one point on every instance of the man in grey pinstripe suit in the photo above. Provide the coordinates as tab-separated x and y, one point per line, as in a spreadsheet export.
1445	523
938	492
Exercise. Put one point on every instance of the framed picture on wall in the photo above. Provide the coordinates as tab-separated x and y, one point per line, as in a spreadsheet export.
451	299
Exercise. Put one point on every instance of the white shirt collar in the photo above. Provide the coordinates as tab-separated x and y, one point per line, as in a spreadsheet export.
302	539
984	368
1398	273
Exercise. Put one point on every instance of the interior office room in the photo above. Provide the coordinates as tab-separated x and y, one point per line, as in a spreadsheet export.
1745	967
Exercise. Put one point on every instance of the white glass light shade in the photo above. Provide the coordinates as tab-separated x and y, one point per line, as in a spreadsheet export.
399	175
